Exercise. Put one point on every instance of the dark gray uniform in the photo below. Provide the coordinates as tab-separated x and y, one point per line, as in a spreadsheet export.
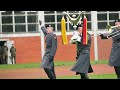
48	58
0	55
83	65
13	54
4	54
114	59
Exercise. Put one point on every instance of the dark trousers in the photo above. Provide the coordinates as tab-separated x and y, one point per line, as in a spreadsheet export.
117	71
0	59
4	59
50	73
84	76
13	59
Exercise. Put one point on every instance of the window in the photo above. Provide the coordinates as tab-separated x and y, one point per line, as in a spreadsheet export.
112	23
7	28
107	17
70	27
56	16
23	21
7	20
19	19
73	12
59	27
102	25
20	28
32	19
49	12
59	17
88	17
32	13
6	13
50	18
102	17
19	12
89	26
113	16
32	27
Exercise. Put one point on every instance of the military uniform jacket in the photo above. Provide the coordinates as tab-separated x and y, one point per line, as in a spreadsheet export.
13	51
4	50
114	59
51	48
83	63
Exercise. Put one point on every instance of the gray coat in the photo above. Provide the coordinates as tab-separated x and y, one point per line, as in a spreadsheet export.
114	59
51	48
83	62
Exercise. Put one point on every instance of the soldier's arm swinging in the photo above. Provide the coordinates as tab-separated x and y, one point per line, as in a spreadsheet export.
43	28
115	34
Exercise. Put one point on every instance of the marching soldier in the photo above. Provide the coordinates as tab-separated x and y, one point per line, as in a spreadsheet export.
114	59
4	53
13	54
51	48
82	66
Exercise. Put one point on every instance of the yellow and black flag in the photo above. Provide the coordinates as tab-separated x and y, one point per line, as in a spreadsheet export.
63	31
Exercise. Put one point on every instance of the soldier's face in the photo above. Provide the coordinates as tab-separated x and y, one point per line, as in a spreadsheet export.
117	23
49	29
80	30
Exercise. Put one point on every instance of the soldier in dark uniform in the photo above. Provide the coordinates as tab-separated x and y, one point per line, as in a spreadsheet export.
82	66
13	54
4	53
114	59
51	48
0	55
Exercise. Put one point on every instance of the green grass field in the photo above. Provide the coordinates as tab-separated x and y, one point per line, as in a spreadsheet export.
101	76
37	65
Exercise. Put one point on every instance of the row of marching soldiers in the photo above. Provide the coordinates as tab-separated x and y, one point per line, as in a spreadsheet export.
4	54
83	42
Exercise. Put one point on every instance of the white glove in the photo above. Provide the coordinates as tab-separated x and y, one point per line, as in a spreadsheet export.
75	38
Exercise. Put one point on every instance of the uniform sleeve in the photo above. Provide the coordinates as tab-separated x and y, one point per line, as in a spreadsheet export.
115	34
54	45
44	30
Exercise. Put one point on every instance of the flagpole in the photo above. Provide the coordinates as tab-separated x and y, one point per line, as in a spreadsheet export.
95	28
41	17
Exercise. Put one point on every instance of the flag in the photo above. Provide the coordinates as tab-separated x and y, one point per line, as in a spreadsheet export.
84	33
63	31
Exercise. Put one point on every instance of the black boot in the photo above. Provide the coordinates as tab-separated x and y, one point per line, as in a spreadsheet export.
117	71
118	76
50	73
84	76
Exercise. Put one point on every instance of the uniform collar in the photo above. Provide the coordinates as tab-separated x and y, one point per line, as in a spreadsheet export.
50	33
